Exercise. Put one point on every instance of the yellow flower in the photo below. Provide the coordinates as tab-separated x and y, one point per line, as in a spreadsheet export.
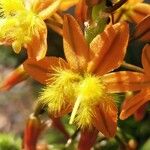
22	24
82	84
20	27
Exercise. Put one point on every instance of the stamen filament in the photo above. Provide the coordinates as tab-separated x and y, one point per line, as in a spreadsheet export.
75	109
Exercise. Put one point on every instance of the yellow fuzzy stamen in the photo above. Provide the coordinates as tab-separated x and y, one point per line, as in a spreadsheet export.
20	28
10	7
61	92
90	93
80	92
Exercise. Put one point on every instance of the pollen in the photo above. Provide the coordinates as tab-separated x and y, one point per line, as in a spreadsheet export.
91	89
61	92
91	92
10	7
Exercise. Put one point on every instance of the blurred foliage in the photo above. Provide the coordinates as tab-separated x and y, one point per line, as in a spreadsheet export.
9	142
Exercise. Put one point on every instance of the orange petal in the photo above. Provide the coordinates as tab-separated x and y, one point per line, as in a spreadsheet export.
13	78
146	59
33	129
142	29
81	12
39	5
131	105
140	11
55	26
42	70
66	4
105	117
146	37
75	46
139	114
64	110
87	139
123	81
109	48
38	46
50	10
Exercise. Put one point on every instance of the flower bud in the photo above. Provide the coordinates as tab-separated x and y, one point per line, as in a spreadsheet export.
87	139
32	132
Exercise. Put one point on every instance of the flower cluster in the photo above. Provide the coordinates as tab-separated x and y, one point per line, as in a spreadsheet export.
95	42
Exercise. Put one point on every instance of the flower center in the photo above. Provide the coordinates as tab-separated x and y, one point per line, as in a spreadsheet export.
90	92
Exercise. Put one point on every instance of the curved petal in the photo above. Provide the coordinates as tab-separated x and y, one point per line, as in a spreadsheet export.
50	10
75	46
39	5
38	46
123	81
81	12
131	105
139	11
146	59
142	29
87	139
139	114
13	78
105	117
109	48
146	37
66	4
43	69
63	111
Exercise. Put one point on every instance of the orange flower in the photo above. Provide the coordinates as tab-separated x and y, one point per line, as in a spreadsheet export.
82	84
134	104
133	11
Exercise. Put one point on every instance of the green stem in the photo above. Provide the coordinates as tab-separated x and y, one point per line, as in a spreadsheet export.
71	139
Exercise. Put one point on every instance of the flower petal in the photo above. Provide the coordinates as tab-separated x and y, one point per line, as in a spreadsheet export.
16	76
81	12
146	59
75	46
105	117
87	139
42	70
38	46
108	49
142	29
123	81
140	11
65	110
139	114
66	4
39	5
131	105
50	10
